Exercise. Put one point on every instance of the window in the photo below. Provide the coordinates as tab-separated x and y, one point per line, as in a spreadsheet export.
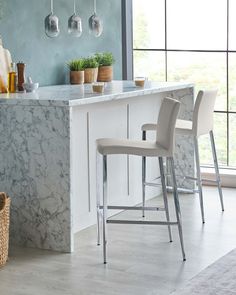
192	40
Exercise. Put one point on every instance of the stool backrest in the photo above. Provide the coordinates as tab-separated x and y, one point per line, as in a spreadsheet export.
203	112
166	124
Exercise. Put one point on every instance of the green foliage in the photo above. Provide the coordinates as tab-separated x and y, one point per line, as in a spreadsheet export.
141	35
76	65
105	58
90	63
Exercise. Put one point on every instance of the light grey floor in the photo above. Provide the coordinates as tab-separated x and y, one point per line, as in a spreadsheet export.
217	279
140	258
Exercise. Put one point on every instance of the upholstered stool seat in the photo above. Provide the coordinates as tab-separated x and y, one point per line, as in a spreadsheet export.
111	146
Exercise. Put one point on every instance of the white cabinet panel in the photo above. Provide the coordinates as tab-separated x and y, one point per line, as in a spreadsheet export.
79	169
109	120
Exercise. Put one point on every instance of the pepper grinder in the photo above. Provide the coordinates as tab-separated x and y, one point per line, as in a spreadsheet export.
21	75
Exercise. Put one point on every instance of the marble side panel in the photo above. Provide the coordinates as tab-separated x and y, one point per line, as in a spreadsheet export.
35	172
184	148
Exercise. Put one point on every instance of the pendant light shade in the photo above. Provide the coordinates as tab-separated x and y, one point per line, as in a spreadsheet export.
75	24
52	24
95	23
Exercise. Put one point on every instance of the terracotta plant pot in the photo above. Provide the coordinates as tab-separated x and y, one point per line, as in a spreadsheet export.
77	77
105	74
90	75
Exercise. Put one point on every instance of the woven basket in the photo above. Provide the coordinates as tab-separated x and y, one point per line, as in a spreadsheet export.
4	227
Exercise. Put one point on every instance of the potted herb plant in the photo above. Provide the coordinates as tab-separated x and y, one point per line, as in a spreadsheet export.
105	70
76	71
90	69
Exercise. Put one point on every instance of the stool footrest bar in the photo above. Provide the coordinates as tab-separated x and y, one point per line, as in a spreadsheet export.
134	208
190	177
156	178
141	222
183	176
152	184
183	190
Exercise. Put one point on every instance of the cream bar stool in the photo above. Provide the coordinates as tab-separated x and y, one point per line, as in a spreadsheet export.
162	147
201	124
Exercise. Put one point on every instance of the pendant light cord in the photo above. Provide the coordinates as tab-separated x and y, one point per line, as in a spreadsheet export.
74	7
95	6
52	6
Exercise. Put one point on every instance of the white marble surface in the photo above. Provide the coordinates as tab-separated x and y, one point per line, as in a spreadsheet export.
72	95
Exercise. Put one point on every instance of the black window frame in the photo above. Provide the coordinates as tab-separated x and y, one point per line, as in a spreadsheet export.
127	48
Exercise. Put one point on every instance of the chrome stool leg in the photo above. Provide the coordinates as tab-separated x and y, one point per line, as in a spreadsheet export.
163	182
213	147
199	180
177	206
143	175
104	209
98	198
98	226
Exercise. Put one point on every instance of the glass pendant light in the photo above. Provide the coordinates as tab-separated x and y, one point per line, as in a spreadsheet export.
95	23
52	24
75	24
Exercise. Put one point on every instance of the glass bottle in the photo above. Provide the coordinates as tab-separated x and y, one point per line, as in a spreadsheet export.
12	77
3	88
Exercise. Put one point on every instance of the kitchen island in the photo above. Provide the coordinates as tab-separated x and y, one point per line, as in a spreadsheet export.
48	154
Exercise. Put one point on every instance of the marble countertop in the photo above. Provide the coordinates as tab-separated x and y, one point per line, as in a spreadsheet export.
73	95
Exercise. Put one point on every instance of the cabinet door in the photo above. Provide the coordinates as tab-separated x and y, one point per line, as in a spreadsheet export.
109	120
80	190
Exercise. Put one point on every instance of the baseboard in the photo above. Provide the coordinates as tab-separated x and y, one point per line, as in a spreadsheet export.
228	177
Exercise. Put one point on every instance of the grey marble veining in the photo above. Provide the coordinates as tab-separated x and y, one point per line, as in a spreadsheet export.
184	147
35	172
73	95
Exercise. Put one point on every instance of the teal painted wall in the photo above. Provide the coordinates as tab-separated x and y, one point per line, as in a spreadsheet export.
22	30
